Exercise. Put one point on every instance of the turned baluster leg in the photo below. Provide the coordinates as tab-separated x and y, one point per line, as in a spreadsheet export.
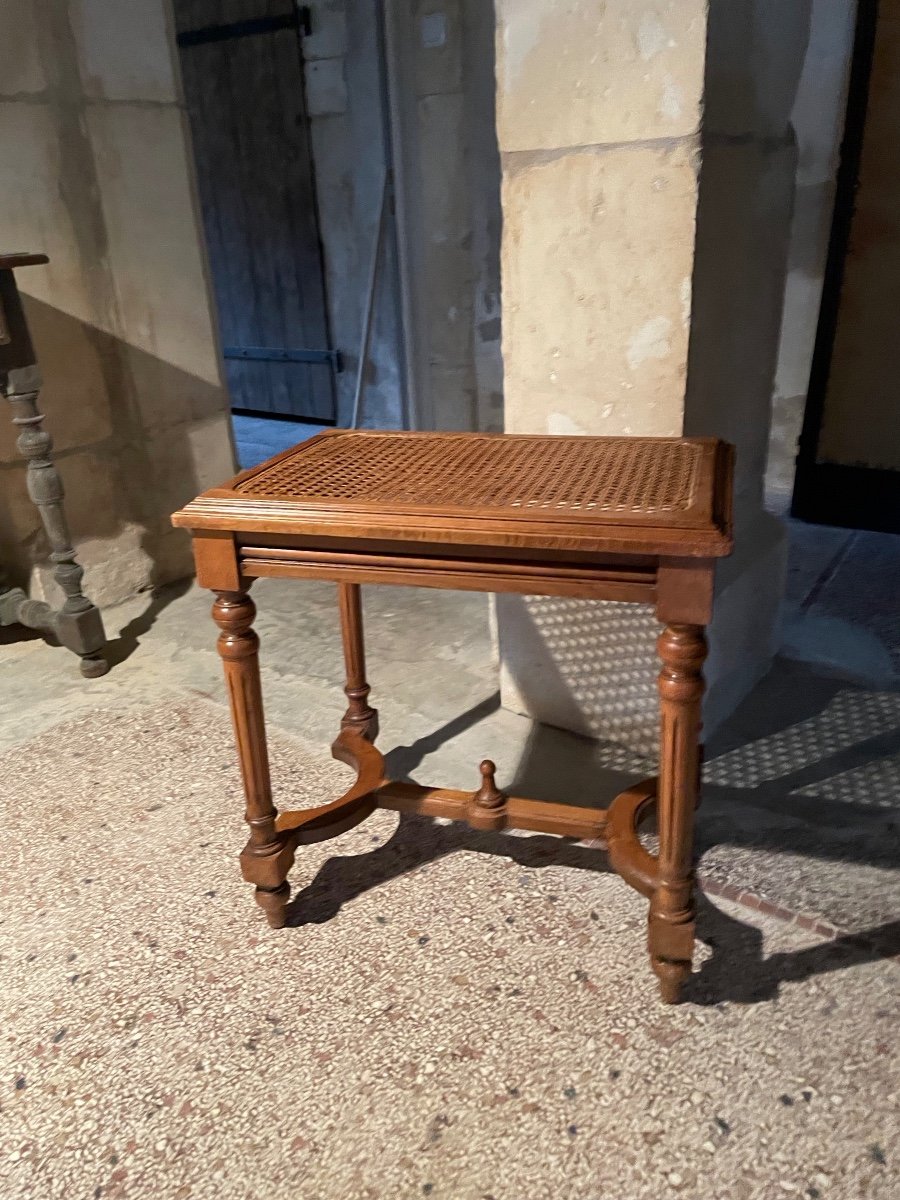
359	715
682	649
77	624
263	859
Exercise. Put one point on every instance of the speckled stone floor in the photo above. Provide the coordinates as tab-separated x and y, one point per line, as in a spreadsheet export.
450	1014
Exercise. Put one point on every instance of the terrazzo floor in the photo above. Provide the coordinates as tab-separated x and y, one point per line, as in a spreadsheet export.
449	1014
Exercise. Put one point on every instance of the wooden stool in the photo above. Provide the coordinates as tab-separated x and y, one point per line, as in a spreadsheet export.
639	519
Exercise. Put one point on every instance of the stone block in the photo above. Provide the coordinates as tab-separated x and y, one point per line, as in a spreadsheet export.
156	261
211	448
591	667
445	196
97	493
447	303
784	441
179	462
326	87
821	101
115	568
329	30
121	316
336	190
603	284
754	57
744	634
454	396
21	69
596	267
49	206
810	232
173	557
743	229
109	543
124	49
575	73
447	263
74	397
587	666
21	532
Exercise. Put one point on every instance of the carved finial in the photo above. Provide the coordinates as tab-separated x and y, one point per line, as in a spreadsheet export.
488	795
487	806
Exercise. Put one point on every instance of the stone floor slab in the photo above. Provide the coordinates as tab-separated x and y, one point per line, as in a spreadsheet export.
450	1014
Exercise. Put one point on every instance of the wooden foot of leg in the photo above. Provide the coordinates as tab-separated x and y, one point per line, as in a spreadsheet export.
671	976
671	941
77	624
273	901
93	666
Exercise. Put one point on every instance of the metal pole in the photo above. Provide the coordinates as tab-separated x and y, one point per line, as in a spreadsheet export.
370	304
393	30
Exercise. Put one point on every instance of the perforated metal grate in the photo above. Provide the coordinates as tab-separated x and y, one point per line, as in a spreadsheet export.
626	475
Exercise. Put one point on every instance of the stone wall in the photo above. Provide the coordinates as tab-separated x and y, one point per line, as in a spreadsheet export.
598	124
95	172
459	179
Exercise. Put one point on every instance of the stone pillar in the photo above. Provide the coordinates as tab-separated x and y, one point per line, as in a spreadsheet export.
621	190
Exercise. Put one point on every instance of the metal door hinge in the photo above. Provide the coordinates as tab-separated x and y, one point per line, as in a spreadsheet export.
283	354
299	19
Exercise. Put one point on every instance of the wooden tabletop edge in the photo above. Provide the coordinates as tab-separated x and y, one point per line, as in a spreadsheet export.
11	261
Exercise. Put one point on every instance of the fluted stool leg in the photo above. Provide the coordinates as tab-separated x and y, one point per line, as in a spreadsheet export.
77	624
263	859
682	649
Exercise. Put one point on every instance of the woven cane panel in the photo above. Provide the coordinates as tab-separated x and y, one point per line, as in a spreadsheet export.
624	475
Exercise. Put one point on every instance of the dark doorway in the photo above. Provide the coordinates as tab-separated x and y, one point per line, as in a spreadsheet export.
242	71
848	467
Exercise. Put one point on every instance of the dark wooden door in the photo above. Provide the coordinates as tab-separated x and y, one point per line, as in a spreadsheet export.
848	468
242	70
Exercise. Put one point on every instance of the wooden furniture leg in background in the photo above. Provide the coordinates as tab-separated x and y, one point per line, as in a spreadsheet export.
682	649
77	624
264	860
359	715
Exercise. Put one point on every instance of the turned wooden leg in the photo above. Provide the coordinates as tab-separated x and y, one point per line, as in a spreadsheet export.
359	715
77	623
265	860
682	649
